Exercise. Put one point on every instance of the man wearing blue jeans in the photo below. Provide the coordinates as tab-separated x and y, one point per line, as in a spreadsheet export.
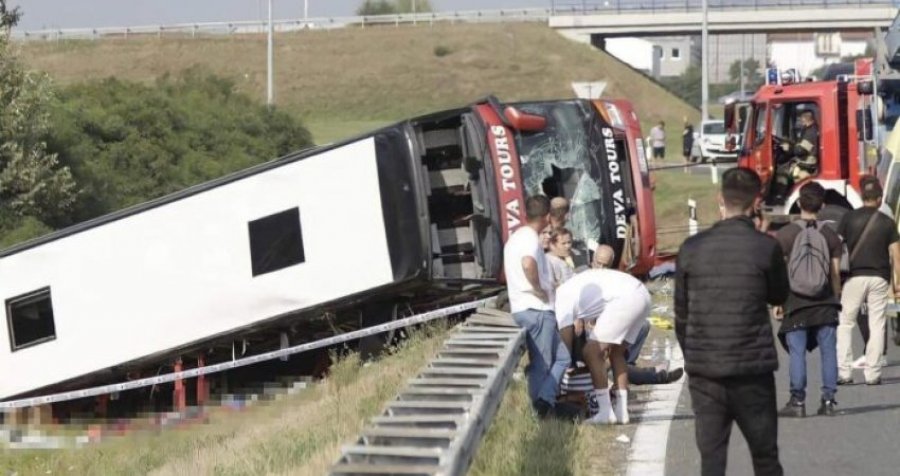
810	319
531	302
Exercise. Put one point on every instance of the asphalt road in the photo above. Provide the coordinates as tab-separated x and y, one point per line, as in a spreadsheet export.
862	439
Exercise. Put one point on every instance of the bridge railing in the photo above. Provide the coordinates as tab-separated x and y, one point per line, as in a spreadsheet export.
591	7
260	26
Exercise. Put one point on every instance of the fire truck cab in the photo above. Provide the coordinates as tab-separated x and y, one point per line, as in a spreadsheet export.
844	110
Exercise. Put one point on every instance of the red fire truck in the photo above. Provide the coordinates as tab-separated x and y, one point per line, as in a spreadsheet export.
845	111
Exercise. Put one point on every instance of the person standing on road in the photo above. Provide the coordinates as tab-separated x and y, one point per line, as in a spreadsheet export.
874	257
810	315
658	141
687	141
724	279
531	304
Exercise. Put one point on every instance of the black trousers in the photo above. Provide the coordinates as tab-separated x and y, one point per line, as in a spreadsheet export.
750	402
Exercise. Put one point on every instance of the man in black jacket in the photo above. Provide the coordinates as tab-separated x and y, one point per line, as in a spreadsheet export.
725	277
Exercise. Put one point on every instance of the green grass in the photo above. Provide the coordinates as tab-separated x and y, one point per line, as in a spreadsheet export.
326	131
673	189
345	81
519	444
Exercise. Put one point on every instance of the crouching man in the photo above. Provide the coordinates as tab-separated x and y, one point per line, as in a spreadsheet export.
618	305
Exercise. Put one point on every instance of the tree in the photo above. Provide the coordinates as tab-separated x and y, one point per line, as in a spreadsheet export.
32	182
8	18
388	7
752	75
127	142
406	6
376	7
687	86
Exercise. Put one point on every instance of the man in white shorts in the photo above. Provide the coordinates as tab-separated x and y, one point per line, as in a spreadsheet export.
616	304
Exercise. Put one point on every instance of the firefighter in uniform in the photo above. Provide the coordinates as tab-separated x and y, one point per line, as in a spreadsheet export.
803	153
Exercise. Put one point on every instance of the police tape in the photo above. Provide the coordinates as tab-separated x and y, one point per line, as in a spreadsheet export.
253	359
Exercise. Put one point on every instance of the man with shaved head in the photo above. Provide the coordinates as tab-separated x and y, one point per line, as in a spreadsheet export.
559	212
618	305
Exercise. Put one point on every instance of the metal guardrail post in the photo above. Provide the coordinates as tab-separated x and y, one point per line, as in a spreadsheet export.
435	425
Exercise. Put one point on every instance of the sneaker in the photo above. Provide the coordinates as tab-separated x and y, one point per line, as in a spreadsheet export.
602	419
827	407
845	381
859	363
794	409
669	376
876	381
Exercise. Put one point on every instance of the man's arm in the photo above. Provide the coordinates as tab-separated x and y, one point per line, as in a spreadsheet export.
681	297
777	278
836	250
529	265
836	276
895	265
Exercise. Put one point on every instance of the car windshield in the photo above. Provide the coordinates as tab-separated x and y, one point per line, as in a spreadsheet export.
554	162
714	128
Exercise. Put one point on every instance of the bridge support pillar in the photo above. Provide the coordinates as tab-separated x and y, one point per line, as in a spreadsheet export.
599	42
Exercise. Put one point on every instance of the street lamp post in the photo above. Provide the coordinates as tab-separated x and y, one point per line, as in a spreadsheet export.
742	66
704	67
270	90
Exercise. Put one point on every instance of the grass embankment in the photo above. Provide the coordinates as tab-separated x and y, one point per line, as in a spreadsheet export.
673	189
297	435
518	444
302	434
347	81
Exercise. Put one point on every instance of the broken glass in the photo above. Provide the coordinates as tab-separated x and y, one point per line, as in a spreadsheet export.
562	150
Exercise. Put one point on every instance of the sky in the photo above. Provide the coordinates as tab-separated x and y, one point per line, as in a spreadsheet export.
98	13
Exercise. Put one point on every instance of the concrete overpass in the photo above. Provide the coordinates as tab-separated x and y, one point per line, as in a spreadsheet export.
617	18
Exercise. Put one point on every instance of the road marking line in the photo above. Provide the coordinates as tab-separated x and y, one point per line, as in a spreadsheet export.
648	450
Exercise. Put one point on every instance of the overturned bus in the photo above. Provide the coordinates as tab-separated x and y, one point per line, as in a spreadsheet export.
395	221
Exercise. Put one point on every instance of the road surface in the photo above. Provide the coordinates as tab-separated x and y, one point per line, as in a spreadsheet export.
862	439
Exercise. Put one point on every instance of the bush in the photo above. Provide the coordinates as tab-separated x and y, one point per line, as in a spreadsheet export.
23	230
441	51
127	142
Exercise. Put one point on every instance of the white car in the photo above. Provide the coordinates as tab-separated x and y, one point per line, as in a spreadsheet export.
709	143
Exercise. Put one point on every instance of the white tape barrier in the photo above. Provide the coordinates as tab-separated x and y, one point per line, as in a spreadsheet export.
253	359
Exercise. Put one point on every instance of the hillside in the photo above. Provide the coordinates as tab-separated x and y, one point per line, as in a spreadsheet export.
345	81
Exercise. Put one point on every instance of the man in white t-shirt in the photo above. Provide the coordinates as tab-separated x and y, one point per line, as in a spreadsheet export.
531	303
618	305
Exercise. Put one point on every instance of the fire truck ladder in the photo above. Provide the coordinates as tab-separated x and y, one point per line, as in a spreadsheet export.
434	426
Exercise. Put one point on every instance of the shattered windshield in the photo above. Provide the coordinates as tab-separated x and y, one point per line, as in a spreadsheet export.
554	162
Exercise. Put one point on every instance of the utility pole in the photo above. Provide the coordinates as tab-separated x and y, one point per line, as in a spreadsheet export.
270	90
305	10
704	70
742	66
